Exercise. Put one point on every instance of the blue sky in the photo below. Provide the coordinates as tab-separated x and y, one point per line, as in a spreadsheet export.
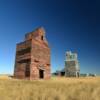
69	24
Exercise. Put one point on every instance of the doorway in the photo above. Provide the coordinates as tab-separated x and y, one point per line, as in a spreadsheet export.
41	74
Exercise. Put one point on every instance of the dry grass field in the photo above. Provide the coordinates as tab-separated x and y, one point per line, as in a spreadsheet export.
53	89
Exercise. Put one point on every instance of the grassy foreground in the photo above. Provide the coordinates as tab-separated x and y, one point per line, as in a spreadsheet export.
53	89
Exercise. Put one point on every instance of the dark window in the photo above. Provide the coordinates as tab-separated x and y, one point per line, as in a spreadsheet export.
41	37
48	64
36	61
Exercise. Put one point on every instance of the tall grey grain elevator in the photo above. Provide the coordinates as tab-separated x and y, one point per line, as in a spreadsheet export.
72	68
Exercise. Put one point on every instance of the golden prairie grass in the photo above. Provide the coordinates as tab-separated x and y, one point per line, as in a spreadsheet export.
4	77
54	89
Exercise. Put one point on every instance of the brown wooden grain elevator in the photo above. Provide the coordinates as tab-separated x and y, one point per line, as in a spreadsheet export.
33	57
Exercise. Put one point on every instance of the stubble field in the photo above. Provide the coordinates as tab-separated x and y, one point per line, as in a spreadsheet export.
54	89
